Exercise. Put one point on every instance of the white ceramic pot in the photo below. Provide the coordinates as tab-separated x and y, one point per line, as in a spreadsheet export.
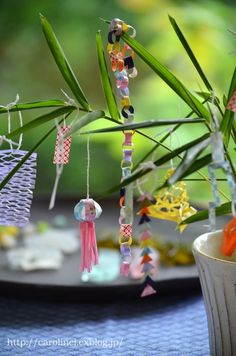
218	280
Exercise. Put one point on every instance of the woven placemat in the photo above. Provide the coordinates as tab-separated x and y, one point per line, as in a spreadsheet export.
173	326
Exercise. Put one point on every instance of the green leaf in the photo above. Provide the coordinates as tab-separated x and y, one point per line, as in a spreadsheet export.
41	120
225	208
34	105
190	53
188	160
85	120
173	82
161	161
209	97
106	82
147	124
224	100
194	167
63	63
24	159
160	141
228	118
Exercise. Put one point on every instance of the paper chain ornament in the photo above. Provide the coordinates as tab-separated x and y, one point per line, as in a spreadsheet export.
16	196
146	243
172	203
122	65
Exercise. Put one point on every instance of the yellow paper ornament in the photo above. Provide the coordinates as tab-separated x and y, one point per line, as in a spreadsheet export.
172	203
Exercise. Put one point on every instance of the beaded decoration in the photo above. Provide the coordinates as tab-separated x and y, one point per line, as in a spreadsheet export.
172	203
122	65
146	243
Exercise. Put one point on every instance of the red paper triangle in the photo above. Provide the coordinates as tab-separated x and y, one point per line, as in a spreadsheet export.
146	258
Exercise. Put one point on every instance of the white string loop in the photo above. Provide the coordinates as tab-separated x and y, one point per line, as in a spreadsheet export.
8	107
59	167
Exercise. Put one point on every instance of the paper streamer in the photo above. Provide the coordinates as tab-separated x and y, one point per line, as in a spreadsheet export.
62	149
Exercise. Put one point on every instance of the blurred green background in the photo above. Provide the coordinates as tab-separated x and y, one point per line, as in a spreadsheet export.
27	68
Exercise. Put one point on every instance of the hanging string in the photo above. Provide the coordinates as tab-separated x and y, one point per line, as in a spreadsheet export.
8	107
21	135
71	102
88	165
59	167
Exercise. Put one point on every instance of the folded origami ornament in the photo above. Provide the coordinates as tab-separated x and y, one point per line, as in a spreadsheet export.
172	203
86	211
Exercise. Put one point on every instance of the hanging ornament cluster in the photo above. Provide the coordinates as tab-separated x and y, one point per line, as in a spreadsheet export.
122	65
146	243
172	203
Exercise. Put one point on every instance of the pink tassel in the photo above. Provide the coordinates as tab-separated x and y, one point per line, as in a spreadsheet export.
124	269
89	251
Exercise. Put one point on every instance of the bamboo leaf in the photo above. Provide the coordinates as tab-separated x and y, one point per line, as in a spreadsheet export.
190	53
34	105
188	160
147	124
85	120
41	120
106	82
166	158
24	159
209	97
225	208
172	81
228	118
63	63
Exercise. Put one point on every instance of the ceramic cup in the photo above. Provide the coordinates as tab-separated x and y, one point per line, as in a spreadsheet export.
218	281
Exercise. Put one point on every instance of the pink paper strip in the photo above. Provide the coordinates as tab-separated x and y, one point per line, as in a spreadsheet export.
62	154
232	103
